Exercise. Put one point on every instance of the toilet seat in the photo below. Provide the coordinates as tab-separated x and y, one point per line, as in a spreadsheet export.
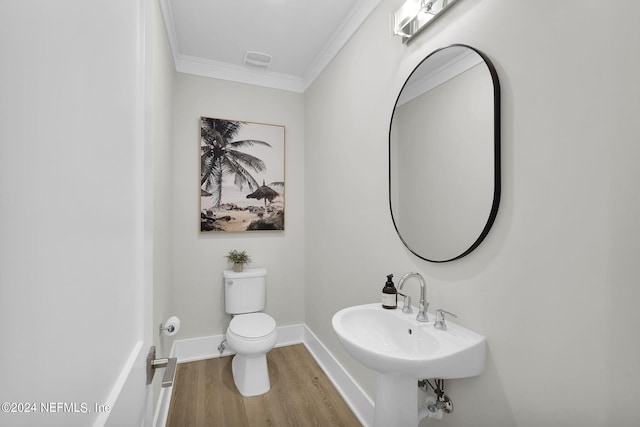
252	326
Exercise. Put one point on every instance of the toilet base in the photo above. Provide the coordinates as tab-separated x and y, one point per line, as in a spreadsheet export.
251	374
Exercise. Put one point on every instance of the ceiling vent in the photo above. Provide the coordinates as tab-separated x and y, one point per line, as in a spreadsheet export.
257	59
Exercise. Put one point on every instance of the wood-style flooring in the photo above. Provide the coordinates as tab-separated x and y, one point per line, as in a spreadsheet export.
204	394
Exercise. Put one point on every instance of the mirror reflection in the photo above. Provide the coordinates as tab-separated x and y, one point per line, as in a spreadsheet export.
444	169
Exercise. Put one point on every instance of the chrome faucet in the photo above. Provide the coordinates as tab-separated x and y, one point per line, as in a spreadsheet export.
423	305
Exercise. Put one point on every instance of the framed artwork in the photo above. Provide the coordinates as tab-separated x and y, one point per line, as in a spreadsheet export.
241	176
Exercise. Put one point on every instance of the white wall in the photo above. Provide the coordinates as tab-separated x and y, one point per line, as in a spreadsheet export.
71	211
554	287
161	76
198	294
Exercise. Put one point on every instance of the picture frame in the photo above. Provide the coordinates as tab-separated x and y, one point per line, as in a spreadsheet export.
241	176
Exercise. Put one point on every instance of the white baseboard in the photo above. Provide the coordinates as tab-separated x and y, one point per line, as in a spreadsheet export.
192	349
162	408
359	402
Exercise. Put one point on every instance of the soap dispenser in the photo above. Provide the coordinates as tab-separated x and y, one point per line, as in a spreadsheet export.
389	294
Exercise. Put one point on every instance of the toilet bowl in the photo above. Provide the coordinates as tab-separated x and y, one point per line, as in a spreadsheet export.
251	336
251	333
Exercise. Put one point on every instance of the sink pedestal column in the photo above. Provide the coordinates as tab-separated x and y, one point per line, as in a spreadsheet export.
396	401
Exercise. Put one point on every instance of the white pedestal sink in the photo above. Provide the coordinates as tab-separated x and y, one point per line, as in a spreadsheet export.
402	351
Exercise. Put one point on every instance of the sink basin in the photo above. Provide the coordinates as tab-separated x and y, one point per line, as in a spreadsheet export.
389	341
402	351
392	342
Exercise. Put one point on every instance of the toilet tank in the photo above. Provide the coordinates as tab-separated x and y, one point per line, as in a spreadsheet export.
245	292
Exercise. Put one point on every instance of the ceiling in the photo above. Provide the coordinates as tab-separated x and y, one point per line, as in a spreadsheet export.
211	37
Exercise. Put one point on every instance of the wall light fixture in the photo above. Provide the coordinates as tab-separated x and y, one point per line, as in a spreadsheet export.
414	15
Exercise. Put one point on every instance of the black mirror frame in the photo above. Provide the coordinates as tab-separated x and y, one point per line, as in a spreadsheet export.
497	188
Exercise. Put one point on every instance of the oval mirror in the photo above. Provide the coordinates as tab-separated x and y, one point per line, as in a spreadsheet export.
444	154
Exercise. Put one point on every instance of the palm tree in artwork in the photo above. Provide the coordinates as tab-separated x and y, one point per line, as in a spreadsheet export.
219	157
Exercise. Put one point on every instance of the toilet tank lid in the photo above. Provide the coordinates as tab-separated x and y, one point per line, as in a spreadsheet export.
248	272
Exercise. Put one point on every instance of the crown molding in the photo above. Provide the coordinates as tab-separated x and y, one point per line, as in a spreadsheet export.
346	30
169	27
237	73
219	70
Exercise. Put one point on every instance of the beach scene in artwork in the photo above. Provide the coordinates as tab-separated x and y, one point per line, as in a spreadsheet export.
241	176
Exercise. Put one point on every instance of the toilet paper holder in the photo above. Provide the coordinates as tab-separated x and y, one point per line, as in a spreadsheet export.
171	326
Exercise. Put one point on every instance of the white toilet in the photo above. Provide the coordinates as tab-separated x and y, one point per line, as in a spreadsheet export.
251	333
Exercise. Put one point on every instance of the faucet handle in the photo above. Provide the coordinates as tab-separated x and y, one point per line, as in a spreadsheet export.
406	303
440	323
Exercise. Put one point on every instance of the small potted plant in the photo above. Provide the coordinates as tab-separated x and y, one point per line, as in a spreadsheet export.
239	259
